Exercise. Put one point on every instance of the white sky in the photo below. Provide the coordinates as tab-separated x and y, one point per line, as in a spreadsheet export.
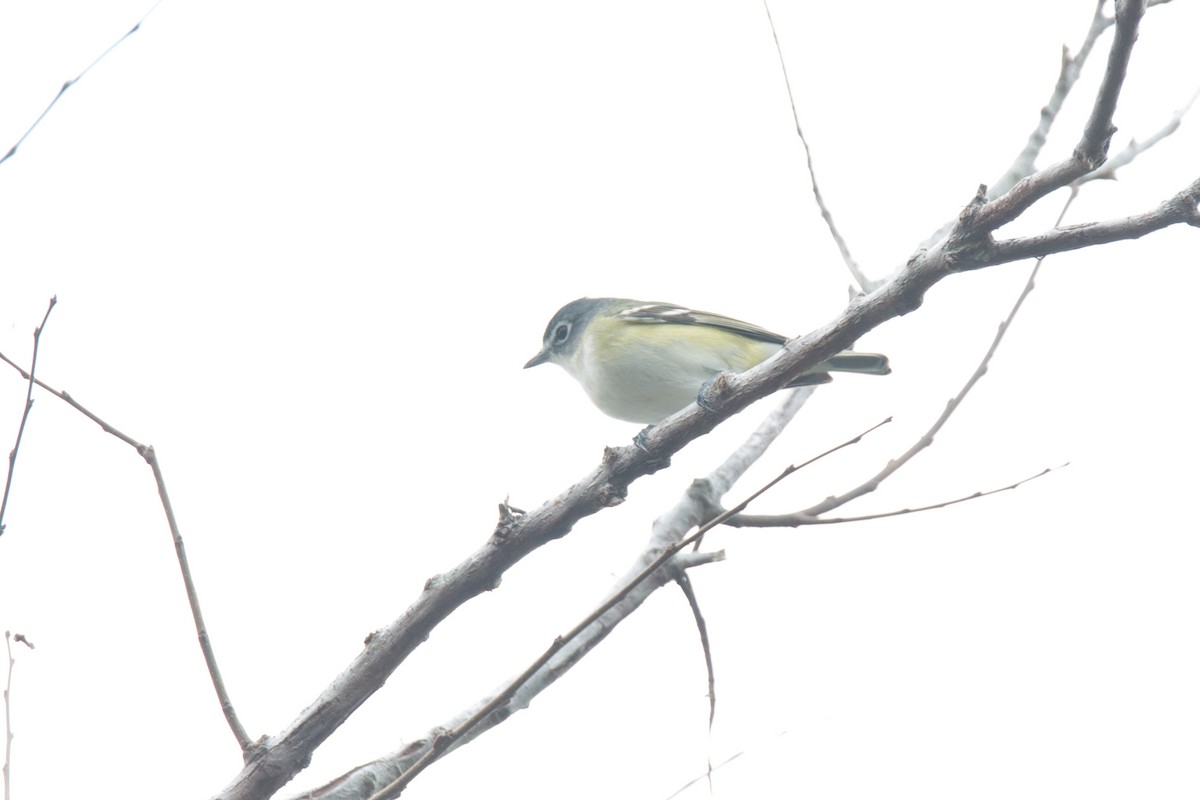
305	249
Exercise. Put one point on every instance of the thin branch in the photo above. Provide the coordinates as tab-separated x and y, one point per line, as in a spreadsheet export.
701	501
66	398
9	638
147	453
1135	148
8	734
210	657
800	518
713	501
731	521
713	769
731	470
12	455
13	150
856	272
689	591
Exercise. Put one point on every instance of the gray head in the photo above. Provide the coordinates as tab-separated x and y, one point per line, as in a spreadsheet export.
564	332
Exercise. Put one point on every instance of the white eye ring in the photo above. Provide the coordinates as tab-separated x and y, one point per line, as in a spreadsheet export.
561	332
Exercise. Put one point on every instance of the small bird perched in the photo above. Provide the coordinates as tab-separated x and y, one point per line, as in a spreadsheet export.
642	362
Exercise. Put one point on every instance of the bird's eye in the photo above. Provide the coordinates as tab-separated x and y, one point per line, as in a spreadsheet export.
561	332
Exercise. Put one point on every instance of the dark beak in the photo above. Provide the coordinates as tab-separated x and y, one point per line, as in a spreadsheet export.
540	358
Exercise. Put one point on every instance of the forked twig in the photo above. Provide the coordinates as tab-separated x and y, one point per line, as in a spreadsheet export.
148	454
799	519
724	763
728	518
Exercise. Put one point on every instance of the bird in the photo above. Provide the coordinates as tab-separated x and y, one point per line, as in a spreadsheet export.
642	361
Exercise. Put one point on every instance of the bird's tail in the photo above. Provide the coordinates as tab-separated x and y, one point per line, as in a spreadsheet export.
850	361
845	361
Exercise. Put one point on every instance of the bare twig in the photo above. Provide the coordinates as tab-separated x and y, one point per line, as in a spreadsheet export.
689	591
9	638
1136	148
12	455
800	518
856	272
730	471
711	770
66	398
210	658
733	522
702	501
830	451
13	150
147	453
8	734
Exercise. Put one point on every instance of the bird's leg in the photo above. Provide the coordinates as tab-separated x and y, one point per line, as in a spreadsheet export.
640	440
709	397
